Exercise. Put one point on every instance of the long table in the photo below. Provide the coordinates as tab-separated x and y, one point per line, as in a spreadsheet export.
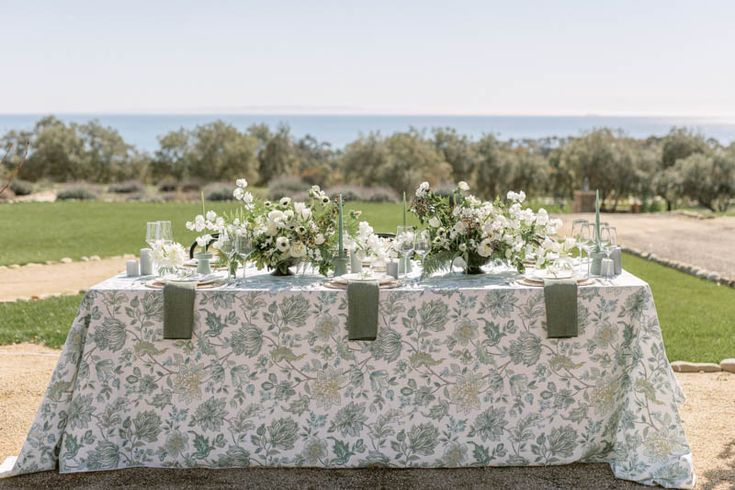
461	374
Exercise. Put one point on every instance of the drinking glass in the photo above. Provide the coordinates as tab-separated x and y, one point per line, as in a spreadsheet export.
231	246
587	240
165	231
422	245
404	239
152	232
577	226
607	240
244	250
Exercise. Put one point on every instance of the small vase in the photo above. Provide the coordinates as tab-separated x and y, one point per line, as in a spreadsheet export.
203	263
282	269
474	269
474	264
596	263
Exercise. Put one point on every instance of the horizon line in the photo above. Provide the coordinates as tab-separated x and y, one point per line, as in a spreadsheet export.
366	113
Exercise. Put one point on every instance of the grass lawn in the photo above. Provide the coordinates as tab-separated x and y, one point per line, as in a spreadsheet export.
37	232
697	317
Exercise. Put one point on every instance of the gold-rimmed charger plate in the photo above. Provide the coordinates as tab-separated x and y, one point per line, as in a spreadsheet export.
524	281
343	286
208	284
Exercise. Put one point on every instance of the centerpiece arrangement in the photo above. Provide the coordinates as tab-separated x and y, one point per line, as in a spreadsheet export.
283	233
463	226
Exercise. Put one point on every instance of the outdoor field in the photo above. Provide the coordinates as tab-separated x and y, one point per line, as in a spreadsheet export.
694	314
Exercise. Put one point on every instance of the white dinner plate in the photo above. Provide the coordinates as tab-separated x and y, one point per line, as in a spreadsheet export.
542	274
359	277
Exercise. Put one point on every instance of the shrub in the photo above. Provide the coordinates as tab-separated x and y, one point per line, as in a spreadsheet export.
21	187
129	187
349	192
382	194
76	193
191	185
168	184
286	186
218	192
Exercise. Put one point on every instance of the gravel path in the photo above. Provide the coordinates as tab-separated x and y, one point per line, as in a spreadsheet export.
707	414
705	243
41	280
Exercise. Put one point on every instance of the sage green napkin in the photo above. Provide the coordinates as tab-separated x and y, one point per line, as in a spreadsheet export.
363	298
178	310
560	296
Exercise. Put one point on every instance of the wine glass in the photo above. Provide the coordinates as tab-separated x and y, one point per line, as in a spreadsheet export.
587	240
244	248
165	232
404	240
230	244
422	245
577	226
152	232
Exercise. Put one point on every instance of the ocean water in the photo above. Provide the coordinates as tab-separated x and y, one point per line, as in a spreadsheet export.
143	130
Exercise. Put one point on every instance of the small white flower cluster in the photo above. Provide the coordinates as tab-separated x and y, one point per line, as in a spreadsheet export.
423	189
367	243
240	194
169	254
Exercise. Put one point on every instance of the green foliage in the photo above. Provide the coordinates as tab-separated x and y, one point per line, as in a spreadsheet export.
129	187
287	187
400	161
708	179
76	194
21	187
620	166
214	151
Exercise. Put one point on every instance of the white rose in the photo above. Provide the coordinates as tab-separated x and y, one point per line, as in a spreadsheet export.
238	193
460	228
211	216
463	186
319	239
298	249
241	183
434	222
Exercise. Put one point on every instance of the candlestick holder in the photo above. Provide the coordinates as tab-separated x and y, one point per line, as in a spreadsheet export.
340	265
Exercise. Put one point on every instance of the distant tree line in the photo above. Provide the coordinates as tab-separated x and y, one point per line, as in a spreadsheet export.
681	166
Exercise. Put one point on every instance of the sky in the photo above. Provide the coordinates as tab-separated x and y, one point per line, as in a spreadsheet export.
375	56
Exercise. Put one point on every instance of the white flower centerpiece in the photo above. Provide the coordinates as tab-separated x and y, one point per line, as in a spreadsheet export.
461	225
284	233
168	256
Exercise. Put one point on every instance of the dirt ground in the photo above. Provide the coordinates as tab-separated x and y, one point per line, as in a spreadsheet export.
705	243
708	414
39	280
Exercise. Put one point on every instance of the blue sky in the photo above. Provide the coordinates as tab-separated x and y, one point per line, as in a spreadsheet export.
408	57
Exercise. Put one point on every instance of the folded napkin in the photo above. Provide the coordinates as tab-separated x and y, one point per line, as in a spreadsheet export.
178	310
560	296
362	310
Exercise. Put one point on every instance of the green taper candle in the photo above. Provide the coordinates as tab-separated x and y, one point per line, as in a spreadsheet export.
404	209
340	231
597	219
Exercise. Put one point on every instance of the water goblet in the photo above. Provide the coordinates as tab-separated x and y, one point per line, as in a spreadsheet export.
152	232
422	246
405	244
165	232
577	226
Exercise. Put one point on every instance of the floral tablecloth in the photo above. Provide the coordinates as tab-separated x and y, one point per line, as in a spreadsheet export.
461	374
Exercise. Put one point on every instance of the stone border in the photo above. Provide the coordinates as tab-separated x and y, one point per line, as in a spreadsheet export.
727	365
682	267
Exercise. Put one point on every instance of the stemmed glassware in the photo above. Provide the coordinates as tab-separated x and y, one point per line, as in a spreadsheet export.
405	241
587	241
152	232
234	245
578	225
422	245
165	232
